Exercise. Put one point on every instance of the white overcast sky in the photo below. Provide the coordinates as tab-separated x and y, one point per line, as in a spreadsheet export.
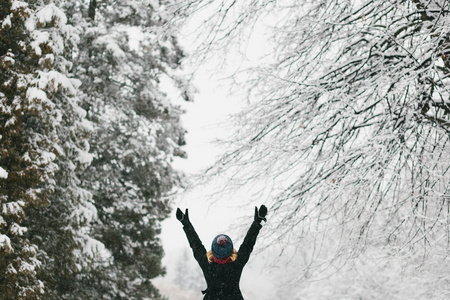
206	120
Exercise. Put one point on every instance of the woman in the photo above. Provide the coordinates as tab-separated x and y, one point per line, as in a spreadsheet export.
222	266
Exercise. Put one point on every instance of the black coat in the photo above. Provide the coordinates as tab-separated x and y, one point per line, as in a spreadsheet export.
222	279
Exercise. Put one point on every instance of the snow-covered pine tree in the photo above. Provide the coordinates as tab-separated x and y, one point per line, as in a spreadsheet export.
121	60
44	214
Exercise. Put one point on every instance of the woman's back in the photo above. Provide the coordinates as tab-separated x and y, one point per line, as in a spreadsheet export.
223	270
223	280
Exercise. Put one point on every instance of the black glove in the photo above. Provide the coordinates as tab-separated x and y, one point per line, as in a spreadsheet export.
183	218
260	214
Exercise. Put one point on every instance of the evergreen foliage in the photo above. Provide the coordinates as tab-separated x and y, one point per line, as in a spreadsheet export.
44	143
137	135
85	164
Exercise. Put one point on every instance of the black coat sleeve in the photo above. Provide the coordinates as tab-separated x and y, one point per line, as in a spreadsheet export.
196	244
248	243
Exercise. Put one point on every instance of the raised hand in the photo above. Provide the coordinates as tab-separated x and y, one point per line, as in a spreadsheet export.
260	214
182	217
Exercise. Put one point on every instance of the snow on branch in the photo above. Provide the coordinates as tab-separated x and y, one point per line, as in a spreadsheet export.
5	243
3	173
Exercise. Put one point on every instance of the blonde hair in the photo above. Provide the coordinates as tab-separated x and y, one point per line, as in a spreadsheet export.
210	255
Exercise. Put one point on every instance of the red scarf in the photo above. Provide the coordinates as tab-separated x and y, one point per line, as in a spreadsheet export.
221	261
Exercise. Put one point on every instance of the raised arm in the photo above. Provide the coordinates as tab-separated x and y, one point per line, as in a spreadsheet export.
194	241
250	238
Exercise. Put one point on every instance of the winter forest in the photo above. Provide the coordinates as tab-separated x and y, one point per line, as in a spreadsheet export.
342	129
